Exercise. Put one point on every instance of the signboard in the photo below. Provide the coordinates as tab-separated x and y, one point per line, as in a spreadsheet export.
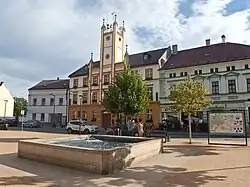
227	126
226	123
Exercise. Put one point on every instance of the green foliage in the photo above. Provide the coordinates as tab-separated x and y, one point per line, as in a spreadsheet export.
127	94
189	97
20	104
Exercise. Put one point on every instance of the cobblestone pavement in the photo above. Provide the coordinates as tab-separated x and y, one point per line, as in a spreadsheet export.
181	165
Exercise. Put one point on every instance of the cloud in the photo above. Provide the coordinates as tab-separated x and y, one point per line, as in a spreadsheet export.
42	39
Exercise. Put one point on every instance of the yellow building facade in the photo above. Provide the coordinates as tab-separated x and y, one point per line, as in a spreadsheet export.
87	84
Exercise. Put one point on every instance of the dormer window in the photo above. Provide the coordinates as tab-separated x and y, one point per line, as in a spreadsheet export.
145	56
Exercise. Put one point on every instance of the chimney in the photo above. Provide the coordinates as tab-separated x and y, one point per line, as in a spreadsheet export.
57	78
174	49
207	42
223	38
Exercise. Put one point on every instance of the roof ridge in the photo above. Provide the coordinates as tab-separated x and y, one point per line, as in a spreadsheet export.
153	50
216	44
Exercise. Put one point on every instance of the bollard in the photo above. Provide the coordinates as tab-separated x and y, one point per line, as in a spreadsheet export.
168	138
118	132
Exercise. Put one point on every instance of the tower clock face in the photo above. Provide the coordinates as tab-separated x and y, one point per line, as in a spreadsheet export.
107	38
107	56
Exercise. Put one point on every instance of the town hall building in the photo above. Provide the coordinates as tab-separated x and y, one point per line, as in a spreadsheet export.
87	84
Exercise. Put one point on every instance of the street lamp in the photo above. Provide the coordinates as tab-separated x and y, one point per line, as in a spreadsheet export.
54	109
81	97
22	114
5	107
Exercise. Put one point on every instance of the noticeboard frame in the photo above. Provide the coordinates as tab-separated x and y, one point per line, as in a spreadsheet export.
244	134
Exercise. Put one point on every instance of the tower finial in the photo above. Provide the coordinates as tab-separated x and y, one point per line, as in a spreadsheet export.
91	56
115	17
123	24
126	49
103	24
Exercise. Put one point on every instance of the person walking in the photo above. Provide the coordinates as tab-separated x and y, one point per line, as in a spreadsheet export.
140	128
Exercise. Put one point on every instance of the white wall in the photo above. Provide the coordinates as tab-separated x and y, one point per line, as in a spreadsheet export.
154	82
224	99
47	109
6	95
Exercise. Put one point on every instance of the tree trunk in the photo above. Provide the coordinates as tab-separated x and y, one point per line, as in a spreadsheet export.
190	128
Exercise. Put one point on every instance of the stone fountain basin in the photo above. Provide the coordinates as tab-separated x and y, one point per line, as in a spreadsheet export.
99	161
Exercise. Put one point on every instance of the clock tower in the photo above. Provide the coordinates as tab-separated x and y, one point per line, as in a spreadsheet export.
111	50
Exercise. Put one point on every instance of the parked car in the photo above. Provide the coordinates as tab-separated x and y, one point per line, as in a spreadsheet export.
74	126
31	123
3	125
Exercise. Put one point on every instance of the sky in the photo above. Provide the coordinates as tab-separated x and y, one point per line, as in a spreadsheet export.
45	39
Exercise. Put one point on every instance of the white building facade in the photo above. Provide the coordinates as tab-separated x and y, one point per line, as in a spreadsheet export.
224	70
6	102
47	99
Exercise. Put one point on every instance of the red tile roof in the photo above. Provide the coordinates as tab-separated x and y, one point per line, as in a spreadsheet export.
222	52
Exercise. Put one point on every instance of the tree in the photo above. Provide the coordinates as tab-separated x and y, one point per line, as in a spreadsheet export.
20	104
127	94
189	97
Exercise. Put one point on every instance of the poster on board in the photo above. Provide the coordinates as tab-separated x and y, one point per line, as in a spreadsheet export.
226	123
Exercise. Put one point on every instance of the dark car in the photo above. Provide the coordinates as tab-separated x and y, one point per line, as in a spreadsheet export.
3	125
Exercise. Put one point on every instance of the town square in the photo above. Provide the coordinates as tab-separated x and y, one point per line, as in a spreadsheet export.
124	93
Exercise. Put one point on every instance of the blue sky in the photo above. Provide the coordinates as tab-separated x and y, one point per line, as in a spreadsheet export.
44	39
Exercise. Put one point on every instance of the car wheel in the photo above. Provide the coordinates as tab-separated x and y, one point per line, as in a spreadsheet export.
86	131
69	130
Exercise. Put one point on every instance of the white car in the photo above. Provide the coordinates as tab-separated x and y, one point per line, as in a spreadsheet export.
83	126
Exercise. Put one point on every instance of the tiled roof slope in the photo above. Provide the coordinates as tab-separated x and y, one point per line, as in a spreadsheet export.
205	55
135	60
51	84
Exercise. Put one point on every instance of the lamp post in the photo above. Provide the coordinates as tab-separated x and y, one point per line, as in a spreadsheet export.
54	110
5	107
81	97
22	114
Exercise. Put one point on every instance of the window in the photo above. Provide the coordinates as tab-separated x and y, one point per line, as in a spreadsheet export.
75	98
216	70
170	75
181	74
84	97
246	66
231	86
85	82
248	84
84	115
195	72
149	73
150	93
174	74
95	80
233	67
93	116
136	71
60	101
211	70
145	57
185	73
34	116
215	87
42	116
149	116
94	96
75	83
50	117
200	71
106	79
52	101
34	101
228	68
43	101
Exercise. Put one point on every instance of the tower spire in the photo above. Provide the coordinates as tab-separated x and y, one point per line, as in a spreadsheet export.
103	25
